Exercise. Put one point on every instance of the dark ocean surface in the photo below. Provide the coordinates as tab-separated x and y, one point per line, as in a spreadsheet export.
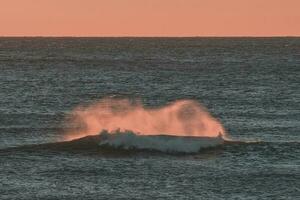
252	85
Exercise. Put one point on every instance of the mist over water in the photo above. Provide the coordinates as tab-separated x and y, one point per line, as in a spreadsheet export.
179	118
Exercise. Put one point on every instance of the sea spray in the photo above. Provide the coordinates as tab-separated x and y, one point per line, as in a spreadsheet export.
179	118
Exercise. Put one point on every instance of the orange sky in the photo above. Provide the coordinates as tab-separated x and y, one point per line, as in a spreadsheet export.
149	17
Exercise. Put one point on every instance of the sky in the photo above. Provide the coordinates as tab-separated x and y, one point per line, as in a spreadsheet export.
179	18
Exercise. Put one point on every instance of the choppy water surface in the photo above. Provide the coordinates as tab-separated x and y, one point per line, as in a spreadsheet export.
251	85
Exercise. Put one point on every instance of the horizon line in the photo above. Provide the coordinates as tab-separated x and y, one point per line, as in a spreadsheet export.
154	36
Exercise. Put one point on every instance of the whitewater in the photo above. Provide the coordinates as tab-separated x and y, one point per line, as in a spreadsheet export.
162	143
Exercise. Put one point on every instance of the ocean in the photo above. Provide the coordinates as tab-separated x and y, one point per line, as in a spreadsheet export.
248	86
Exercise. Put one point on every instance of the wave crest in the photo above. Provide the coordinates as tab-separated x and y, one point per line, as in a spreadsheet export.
163	143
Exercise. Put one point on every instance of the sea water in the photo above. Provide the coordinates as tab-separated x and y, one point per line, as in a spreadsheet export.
250	85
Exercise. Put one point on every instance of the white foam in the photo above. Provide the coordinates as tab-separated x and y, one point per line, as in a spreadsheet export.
164	143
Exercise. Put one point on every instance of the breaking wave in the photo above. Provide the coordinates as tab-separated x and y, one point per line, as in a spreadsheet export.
125	143
183	126
163	143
